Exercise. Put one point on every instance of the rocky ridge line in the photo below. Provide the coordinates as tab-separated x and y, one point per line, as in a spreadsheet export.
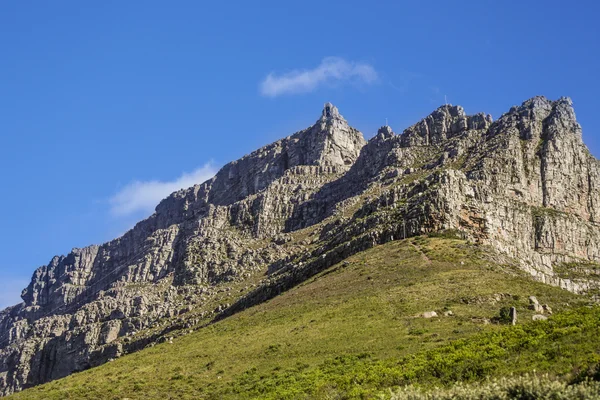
524	185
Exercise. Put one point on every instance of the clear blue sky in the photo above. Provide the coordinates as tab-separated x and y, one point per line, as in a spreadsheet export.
95	96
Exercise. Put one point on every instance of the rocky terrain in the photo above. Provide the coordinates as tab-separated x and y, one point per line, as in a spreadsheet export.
524	186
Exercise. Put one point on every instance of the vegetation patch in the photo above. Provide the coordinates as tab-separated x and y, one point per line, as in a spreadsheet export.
565	346
356	329
577	270
524	387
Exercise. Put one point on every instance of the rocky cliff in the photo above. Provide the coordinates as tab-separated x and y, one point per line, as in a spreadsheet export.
525	186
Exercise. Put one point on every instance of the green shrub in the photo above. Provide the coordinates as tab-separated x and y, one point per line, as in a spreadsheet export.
514	388
504	316
448	234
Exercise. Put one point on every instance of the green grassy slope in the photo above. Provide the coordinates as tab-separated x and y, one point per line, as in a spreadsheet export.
355	329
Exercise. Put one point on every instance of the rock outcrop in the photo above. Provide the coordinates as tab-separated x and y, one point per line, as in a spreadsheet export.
524	185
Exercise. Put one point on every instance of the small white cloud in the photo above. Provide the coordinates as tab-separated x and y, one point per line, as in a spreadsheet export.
331	70
144	196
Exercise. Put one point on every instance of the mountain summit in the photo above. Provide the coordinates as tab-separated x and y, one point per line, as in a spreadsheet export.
525	186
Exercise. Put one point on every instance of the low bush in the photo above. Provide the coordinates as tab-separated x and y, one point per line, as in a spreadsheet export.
514	388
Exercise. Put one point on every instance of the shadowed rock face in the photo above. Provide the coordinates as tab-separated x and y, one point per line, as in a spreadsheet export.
525	184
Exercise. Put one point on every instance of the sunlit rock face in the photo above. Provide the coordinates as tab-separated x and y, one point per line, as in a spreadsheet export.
525	185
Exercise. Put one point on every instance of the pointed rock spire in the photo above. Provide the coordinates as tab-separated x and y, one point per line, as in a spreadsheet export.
332	141
331	112
329	142
385	132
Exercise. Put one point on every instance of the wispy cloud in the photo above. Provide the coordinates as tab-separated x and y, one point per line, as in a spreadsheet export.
331	70
140	196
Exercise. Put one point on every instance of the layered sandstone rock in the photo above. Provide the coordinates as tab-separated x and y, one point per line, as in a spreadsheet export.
525	185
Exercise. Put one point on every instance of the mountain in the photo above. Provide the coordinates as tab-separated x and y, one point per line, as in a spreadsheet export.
358	328
524	187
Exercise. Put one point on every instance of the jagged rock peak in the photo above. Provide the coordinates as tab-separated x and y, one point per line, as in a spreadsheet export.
538	102
544	102
385	132
331	112
334	142
450	110
329	142
444	123
540	107
540	118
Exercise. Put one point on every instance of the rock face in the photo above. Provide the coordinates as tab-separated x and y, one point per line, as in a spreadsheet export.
524	185
513	316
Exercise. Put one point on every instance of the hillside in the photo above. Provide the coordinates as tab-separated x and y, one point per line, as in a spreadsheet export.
524	189
357	328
